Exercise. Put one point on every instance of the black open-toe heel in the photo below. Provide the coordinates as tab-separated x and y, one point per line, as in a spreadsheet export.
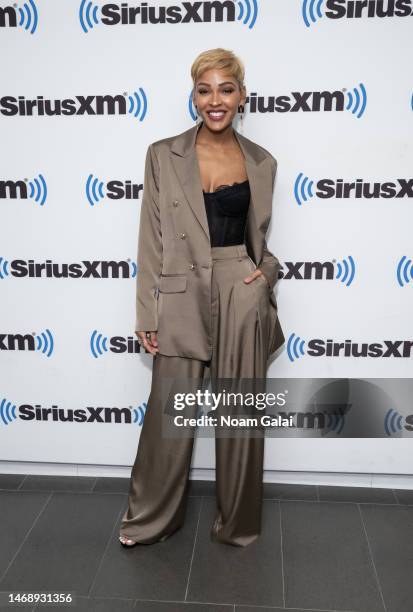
129	540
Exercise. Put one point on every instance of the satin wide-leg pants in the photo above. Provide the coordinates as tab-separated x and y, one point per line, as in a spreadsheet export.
159	478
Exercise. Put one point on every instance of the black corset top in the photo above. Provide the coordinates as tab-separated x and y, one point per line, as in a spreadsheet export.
227	210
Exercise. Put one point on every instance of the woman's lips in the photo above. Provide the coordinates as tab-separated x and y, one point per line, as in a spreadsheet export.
216	115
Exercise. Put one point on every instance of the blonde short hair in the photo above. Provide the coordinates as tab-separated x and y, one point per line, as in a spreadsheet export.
220	59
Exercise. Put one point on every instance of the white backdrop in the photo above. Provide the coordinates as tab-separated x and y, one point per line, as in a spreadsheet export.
360	131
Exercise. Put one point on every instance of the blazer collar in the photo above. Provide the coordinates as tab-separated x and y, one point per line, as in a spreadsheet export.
185	163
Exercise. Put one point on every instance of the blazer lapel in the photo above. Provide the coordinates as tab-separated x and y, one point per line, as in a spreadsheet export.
186	166
185	163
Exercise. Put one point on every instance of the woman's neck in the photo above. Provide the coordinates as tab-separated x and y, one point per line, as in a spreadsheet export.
222	139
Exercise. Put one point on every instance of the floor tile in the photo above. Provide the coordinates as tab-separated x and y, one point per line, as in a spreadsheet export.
150	571
280	490
11	481
19	510
12	608
111	485
91	604
359	495
265	609
156	606
390	533
327	564
65	545
58	483
203	488
223	573
404	496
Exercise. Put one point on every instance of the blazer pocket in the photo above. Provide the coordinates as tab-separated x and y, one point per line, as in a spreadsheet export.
172	284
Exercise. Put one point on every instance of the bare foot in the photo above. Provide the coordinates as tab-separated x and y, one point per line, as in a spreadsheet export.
126	541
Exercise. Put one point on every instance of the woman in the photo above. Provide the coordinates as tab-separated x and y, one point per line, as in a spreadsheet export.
204	300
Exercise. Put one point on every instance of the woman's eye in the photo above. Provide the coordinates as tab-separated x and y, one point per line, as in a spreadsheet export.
204	91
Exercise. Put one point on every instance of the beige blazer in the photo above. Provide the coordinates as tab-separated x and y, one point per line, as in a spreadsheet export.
173	294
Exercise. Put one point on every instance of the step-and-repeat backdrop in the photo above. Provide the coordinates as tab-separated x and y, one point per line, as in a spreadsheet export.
85	87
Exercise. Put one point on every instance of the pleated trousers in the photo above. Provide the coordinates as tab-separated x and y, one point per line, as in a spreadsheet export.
158	488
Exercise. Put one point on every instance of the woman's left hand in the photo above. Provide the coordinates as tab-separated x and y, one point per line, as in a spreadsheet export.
254	275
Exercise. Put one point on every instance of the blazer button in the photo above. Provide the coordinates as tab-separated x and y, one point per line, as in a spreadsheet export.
183	235
175	202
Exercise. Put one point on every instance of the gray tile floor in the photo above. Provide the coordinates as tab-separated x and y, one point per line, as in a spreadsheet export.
321	549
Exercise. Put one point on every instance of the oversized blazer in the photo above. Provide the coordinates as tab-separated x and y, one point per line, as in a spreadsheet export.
173	290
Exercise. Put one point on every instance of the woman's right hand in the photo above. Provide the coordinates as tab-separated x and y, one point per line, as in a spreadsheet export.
150	343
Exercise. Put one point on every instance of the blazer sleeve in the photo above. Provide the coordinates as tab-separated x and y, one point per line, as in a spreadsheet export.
149	248
269	263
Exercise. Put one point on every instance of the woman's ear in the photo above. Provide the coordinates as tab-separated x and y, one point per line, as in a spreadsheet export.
243	97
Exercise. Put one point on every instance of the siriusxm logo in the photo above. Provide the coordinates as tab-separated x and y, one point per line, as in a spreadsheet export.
404	271
97	190
10	413
393	422
313	10
14	16
20	268
316	347
42	342
134	104
213	11
35	189
101	344
342	271
304	189
354	101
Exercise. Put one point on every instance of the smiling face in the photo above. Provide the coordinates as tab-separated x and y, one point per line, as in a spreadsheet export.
217	97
